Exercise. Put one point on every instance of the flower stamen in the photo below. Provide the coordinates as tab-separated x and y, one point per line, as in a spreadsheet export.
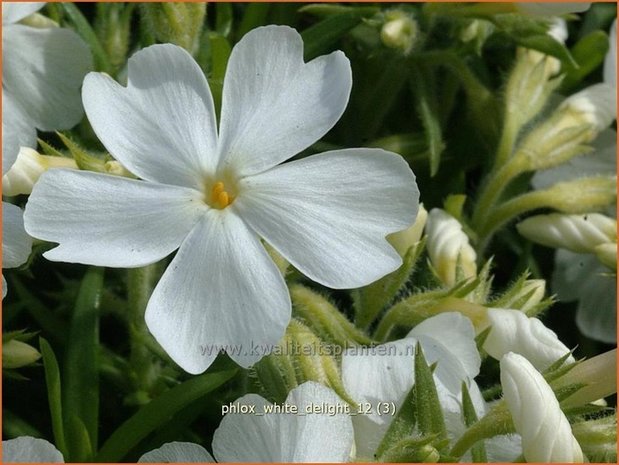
220	198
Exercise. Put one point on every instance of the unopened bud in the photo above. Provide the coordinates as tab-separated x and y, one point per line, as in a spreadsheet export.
17	354
27	169
607	254
577	233
581	195
450	252
404	240
399	31
596	105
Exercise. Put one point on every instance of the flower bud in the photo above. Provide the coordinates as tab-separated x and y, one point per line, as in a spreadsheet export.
581	195
27	169
17	354
513	331
449	248
399	31
404	240
178	23
607	254
577	233
596	105
545	431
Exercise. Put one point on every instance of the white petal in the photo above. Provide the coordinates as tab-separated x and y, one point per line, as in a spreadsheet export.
552	9
597	104
16	244
581	277
513	331
274	105
546	432
17	131
221	291
43	70
106	220
276	437
603	161
449	339
178	452
610	63
14	11
26	449
162	125
329	214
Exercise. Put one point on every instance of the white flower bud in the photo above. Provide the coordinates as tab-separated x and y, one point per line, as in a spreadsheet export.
27	169
17	354
546	432
577	233
399	31
607	254
448	247
596	105
513	331
404	240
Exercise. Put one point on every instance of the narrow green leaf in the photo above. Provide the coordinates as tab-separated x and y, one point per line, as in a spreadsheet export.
429	413
83	28
220	50
318	38
81	371
425	96
478	451
589	52
223	18
80	447
158	412
402	426
14	426
255	15
54	394
49	150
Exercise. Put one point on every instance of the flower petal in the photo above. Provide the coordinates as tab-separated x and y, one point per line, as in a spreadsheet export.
26	449
280	437
221	291
178	452
43	70
582	277
16	244
449	339
14	11
329	214
274	105
162	125
17	131
106	220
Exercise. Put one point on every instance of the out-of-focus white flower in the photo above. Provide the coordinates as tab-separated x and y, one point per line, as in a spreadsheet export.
26	449
595	105
513	331
287	437
178	452
578	233
42	72
582	277
449	247
16	243
545	431
27	170
552	9
399	31
217	195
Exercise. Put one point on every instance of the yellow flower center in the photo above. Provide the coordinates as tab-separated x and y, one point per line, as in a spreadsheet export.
220	197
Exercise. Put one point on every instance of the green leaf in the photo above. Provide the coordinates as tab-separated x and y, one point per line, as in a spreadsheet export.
429	413
80	447
546	44
223	18
478	451
426	103
320	37
54	394
255	15
402	426
83	28
158	412
81	371
220	50
589	52
326	9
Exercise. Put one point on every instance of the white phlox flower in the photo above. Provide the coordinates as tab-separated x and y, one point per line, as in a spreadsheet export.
16	243
386	374
217	193
545	431
26	449
449	247
552	9
513	331
42	71
578	233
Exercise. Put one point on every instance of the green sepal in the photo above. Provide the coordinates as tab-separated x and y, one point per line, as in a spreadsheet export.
402	426
430	418
415	450
478	451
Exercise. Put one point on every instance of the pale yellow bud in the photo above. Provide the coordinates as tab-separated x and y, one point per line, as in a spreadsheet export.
404	240
399	31
17	354
607	254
